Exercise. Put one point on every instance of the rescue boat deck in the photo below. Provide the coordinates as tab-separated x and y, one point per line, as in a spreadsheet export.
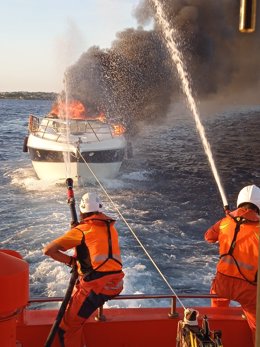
136	327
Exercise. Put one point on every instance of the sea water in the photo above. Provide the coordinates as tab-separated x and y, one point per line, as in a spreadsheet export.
166	192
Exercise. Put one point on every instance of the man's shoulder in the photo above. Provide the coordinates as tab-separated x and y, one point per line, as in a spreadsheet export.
247	214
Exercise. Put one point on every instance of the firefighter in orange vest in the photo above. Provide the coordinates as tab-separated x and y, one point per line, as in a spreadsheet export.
238	237
97	255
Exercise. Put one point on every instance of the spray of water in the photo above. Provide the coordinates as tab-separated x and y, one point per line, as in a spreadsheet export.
177	58
66	154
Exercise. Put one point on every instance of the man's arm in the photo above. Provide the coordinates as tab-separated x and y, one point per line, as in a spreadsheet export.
55	251
211	235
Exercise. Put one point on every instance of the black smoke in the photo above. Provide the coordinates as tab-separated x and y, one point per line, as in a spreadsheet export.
135	79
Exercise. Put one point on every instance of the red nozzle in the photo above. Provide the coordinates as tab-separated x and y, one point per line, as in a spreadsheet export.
70	193
226	209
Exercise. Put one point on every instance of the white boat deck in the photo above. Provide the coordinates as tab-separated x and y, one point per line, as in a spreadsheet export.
72	130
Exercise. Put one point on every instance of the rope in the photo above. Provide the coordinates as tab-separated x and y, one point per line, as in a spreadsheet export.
132	231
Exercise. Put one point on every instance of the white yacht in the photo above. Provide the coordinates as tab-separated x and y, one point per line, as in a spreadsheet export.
83	149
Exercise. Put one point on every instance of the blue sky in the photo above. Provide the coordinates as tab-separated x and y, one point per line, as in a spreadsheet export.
40	38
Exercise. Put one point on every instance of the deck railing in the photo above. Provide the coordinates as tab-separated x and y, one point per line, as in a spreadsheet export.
173	299
58	128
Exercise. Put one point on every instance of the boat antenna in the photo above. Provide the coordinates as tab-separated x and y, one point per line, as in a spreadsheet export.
74	273
132	231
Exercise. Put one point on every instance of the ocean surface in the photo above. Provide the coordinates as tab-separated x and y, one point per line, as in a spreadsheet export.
166	192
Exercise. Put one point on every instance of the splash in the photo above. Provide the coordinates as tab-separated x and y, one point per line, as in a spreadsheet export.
177	58
25	178
66	154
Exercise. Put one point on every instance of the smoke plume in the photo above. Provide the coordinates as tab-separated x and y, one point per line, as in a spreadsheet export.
135	79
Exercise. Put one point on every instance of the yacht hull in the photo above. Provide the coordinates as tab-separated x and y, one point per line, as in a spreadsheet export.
83	162
79	172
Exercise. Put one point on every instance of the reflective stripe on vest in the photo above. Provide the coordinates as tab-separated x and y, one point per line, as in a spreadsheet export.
230	260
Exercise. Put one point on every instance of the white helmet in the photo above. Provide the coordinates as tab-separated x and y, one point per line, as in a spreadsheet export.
90	203
249	194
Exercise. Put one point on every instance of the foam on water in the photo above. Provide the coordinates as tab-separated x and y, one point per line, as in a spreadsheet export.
25	178
137	176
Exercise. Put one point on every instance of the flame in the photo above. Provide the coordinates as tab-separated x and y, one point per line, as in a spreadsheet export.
101	117
118	129
74	110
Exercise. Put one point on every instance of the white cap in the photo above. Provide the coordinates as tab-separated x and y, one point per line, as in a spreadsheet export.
249	194
90	203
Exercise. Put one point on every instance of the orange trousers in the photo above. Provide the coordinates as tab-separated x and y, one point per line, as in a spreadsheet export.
230	288
85	299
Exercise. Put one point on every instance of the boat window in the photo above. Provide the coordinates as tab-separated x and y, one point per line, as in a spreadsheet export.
78	127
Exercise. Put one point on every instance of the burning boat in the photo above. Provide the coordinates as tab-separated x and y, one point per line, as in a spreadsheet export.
69	142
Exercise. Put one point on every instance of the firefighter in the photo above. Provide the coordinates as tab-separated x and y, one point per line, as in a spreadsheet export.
238	235
97	256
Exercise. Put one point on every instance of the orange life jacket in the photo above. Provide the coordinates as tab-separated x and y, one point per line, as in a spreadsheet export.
99	249
238	245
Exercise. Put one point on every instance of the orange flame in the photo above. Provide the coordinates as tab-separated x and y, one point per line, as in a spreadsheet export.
118	129
74	110
101	117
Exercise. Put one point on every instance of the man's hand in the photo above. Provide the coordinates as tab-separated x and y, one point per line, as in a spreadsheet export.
73	262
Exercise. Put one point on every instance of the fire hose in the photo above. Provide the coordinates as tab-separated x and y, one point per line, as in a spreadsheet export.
74	274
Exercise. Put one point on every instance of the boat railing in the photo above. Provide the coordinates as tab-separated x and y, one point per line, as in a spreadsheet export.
33	124
57	129
100	312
